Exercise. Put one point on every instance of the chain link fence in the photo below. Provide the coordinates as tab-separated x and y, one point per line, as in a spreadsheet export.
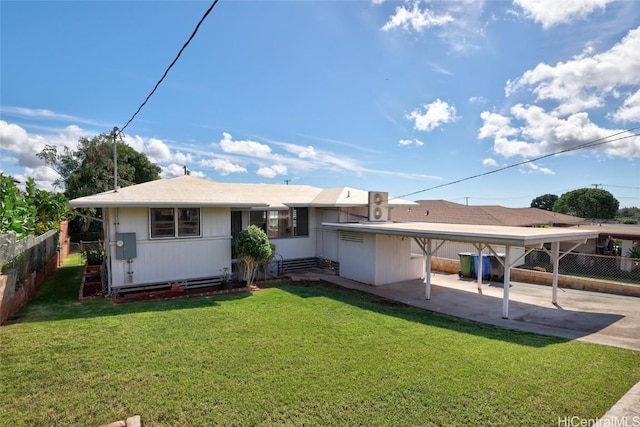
614	268
28	255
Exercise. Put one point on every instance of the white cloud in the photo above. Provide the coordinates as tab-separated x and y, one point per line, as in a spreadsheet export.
630	109
247	148
489	162
569	90
272	171
157	151
41	113
43	176
407	142
435	114
457	24
303	152
532	168
438	69
223	166
12	137
587	81
174	170
181	158
541	133
553	12
477	100
416	19
17	140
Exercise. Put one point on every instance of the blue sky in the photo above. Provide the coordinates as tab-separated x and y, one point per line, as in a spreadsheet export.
378	95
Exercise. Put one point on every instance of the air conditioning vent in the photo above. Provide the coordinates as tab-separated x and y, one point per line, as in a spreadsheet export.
351	236
378	206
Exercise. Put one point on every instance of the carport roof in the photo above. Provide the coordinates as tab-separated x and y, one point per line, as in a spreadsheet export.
491	234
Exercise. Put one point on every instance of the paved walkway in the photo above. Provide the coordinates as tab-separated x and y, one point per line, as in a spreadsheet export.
599	318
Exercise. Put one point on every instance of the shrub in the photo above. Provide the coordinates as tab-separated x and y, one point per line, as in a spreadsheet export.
254	249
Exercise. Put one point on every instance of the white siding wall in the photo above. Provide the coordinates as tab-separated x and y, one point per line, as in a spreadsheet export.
394	262
167	260
357	257
326	240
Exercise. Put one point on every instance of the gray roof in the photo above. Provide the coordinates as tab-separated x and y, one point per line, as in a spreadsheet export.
190	191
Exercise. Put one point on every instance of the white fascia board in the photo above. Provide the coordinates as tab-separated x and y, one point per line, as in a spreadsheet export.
513	236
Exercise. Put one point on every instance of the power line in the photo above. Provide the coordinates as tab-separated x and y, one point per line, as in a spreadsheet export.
620	186
193	34
594	143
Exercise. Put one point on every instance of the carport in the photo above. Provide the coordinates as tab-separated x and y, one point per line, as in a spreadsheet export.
482	237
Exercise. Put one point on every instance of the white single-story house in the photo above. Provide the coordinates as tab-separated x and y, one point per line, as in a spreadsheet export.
182	230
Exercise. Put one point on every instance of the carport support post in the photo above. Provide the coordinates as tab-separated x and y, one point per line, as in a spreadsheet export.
555	259
427	279
507	280
480	272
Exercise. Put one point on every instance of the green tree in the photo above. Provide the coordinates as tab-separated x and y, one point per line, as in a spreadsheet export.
634	252
32	211
545	202
629	215
588	203
253	248
89	169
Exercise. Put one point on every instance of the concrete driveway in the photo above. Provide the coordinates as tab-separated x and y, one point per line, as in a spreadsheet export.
587	316
583	315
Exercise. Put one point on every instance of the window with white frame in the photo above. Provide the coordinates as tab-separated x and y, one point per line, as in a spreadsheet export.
174	222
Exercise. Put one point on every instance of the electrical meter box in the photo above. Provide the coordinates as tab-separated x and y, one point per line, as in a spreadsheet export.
125	245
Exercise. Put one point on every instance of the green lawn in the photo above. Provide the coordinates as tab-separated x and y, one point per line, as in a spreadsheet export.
289	355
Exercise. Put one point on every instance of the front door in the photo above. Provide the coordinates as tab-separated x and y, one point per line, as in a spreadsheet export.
236	228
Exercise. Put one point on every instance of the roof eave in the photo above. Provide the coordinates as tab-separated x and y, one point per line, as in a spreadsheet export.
164	205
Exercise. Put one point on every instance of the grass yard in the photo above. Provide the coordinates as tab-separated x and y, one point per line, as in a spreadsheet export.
289	355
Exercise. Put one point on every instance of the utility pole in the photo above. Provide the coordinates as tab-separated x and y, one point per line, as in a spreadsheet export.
467	201
287	181
115	160
597	185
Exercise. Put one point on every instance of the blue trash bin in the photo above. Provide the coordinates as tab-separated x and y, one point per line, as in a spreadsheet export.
486	267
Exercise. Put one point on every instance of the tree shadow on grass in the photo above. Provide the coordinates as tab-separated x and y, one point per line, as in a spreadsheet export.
400	310
58	300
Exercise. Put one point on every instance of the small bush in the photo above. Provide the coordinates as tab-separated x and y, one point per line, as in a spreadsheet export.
94	256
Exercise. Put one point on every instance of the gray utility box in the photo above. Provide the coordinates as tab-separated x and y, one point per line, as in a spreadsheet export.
125	245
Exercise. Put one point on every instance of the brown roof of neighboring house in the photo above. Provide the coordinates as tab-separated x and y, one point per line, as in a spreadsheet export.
442	211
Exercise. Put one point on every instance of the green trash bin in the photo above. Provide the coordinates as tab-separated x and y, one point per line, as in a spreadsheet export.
466	264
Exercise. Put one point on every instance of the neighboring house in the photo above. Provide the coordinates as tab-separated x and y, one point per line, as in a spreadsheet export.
183	229
442	211
445	212
613	239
